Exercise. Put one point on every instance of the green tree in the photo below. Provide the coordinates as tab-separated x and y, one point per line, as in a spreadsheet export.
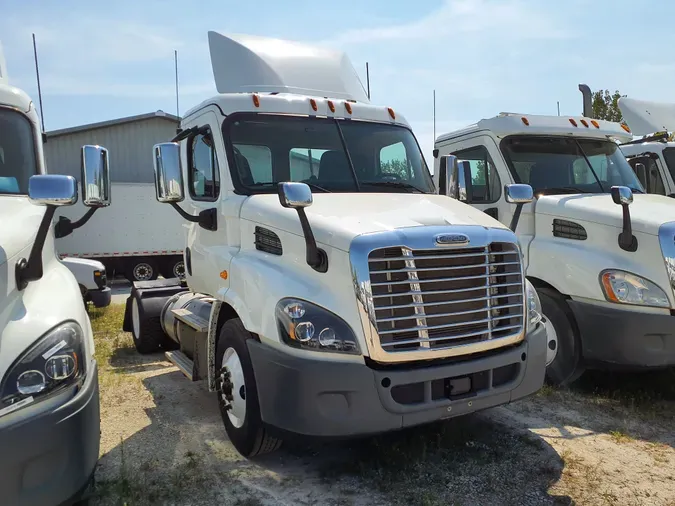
606	105
396	167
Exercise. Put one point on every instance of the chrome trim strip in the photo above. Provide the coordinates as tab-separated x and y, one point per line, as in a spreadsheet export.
667	243
418	238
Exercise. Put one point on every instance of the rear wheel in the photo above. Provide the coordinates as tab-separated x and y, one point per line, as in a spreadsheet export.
142	269
237	393
564	363
147	333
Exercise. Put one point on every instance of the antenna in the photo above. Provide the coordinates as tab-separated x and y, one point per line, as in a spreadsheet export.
434	115
37	73
558	107
368	80
175	61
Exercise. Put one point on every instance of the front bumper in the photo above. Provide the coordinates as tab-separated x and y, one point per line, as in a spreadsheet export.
100	298
625	338
48	459
320	398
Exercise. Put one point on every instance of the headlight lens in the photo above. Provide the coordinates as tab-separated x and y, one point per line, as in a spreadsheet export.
55	362
307	326
626	288
533	306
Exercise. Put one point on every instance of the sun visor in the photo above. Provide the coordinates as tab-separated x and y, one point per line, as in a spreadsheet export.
644	118
245	64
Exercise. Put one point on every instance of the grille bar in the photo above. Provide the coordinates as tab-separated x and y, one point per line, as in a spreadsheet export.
431	299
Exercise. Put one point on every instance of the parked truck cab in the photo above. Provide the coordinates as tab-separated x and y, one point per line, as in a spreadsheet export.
49	404
329	290
652	155
597	248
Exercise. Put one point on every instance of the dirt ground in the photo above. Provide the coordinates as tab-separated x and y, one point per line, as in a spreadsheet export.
608	441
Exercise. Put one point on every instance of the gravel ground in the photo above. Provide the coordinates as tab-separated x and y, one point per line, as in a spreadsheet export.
163	442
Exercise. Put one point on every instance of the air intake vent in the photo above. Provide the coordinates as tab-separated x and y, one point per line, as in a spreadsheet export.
267	241
569	230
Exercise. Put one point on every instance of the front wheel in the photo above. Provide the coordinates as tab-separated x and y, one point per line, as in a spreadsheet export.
564	364
237	393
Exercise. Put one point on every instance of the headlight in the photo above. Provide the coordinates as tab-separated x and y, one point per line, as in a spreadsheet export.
533	306
55	362
626	288
307	326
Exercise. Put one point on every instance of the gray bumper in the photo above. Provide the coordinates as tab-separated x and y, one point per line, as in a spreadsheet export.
100	298
625	338
319	398
48	459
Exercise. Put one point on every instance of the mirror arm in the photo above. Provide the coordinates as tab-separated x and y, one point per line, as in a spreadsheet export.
31	269
316	257
516	217
65	227
207	219
627	241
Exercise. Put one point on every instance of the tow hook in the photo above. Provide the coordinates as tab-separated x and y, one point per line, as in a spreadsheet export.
224	387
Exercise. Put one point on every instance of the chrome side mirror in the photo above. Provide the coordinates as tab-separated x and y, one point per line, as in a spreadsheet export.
622	195
168	173
518	193
454	179
295	195
641	172
95	176
52	190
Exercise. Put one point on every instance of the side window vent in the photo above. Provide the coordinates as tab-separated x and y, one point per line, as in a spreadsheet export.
267	241
569	230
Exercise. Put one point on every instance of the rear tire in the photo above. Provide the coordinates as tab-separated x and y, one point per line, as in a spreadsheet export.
147	333
238	394
142	269
567	366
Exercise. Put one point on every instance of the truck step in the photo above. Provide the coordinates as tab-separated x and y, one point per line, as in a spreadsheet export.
191	320
183	363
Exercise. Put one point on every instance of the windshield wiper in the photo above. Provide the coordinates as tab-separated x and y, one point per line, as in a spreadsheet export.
563	189
311	185
394	184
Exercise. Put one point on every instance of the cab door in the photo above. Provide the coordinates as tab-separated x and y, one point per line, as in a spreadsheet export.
658	180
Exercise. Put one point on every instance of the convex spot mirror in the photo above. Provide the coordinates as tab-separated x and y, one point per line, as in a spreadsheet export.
95	176
622	195
295	195
518	193
168	172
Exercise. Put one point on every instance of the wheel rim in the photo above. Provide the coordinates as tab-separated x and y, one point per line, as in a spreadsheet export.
237	406
551	341
135	318
143	271
179	269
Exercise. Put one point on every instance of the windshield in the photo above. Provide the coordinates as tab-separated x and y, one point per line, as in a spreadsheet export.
329	155
568	165
17	152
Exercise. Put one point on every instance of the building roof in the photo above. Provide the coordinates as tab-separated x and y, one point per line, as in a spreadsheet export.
114	122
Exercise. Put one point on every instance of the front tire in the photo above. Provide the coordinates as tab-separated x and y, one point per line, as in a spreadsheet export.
566	364
237	393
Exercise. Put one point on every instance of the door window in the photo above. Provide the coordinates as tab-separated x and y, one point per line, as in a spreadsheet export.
203	172
485	183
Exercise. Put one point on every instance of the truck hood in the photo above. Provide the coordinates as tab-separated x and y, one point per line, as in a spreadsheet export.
647	212
336	218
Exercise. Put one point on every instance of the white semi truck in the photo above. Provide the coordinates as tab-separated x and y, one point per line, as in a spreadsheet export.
334	293
599	251
49	404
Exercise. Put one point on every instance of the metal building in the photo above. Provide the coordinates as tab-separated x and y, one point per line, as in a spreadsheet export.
129	142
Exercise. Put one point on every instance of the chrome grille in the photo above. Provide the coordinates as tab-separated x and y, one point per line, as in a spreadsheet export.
437	299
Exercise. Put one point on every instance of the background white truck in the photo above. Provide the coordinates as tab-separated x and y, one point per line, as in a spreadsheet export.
601	258
135	237
49	404
371	305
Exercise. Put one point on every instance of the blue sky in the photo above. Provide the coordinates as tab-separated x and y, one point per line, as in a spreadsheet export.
100	61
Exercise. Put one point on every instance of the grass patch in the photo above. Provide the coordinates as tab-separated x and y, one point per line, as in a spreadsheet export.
620	437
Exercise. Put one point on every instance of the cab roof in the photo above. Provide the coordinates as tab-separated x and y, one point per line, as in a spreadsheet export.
247	63
532	124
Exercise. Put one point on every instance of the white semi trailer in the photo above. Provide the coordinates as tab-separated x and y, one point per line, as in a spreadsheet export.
332	293
49	403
